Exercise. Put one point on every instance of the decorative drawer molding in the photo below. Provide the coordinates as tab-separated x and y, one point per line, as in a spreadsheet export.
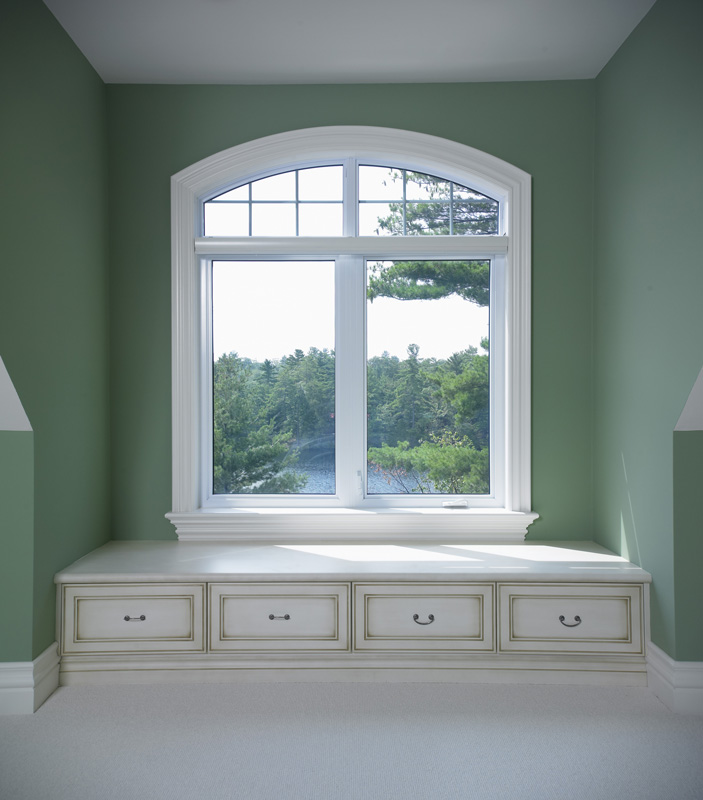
423	616
122	618
571	618
288	616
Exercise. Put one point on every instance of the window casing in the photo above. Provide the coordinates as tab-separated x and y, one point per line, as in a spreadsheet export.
504	511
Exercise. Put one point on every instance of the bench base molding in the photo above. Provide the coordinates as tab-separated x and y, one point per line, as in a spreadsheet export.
350	668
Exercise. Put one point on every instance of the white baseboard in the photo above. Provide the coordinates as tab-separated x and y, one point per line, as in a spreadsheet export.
678	684
25	685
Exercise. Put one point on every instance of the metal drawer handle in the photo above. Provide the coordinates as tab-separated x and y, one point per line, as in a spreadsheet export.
570	625
134	619
285	616
430	617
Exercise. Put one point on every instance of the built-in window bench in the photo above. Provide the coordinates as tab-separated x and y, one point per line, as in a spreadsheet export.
143	611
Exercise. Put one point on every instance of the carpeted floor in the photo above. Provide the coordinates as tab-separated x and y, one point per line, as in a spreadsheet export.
343	740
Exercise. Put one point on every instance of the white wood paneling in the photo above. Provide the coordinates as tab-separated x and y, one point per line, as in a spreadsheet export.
593	618
423	616
133	618
292	616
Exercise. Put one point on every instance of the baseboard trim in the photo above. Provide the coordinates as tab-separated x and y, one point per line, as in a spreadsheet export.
678	684
25	685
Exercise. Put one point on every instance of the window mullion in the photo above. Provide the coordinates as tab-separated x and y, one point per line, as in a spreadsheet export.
350	197
350	351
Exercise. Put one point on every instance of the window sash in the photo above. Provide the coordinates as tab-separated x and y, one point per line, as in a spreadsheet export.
350	390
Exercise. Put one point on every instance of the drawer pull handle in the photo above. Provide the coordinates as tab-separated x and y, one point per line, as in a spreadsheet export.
285	616
134	619
570	625
430	617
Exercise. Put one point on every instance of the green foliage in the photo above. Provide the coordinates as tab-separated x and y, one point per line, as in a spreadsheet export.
430	280
471	212
448	464
429	422
249	456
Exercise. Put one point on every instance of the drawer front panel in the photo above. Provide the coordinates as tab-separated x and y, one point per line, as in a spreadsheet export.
133	618
279	617
423	617
585	618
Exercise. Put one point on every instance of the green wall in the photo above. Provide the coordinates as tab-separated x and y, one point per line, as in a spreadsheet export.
688	544
545	128
648	290
53	302
17	541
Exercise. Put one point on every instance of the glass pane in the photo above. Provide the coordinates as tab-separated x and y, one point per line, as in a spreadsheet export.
277	187
380	183
428	377
374	217
273	219
273	377
426	187
320	183
427	218
464	193
226	219
320	219
241	193
477	218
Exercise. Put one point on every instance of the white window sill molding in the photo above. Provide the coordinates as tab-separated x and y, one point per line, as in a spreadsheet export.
279	525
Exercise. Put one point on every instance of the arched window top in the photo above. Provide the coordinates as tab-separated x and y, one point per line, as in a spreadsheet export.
386	200
465	166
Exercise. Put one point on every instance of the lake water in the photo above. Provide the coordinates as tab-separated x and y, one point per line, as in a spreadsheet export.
321	481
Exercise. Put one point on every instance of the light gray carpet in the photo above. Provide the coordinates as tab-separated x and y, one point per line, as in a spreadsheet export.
341	740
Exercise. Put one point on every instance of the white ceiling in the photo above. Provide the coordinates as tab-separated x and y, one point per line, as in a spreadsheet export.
347	41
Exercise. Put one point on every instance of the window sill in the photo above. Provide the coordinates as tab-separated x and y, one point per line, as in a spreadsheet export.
279	525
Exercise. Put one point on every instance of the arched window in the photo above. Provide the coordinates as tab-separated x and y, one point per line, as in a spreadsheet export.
351	340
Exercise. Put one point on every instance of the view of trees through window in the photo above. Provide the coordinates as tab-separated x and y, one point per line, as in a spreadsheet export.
427	373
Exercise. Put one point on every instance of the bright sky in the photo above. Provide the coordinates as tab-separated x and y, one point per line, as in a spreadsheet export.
267	309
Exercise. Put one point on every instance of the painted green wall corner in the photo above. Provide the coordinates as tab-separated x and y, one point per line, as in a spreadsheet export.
648	286
17	543
688	544
544	128
53	290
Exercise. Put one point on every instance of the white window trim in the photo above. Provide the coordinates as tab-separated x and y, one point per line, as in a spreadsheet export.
460	163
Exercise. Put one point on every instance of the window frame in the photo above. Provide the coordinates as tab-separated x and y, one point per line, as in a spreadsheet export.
197	516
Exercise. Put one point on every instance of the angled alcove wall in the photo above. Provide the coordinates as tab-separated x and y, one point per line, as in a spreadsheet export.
688	526
16	522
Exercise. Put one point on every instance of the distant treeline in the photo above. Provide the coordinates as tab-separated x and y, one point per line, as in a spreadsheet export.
427	421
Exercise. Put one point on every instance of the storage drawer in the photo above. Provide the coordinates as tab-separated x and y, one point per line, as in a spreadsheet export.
423	616
129	618
572	618
286	616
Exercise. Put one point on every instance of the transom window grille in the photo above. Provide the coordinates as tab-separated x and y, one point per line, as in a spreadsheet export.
310	202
